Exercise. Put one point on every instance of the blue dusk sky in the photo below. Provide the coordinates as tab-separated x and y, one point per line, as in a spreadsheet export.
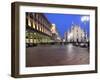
63	22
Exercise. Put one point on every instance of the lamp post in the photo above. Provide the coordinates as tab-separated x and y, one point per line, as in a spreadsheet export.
85	19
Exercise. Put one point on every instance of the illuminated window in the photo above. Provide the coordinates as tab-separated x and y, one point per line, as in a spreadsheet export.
35	41
33	24
27	40
31	40
29	22
40	28
31	35
34	33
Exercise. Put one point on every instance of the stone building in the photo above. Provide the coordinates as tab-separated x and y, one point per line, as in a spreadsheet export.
76	34
55	34
38	29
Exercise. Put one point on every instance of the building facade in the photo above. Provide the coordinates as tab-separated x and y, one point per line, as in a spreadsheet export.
55	34
76	34
38	29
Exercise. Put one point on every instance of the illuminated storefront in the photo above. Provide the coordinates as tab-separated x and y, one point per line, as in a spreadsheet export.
38	29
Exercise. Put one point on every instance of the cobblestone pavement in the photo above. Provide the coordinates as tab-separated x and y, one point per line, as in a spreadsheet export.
52	55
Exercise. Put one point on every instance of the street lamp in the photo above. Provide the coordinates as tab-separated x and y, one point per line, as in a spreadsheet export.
85	19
